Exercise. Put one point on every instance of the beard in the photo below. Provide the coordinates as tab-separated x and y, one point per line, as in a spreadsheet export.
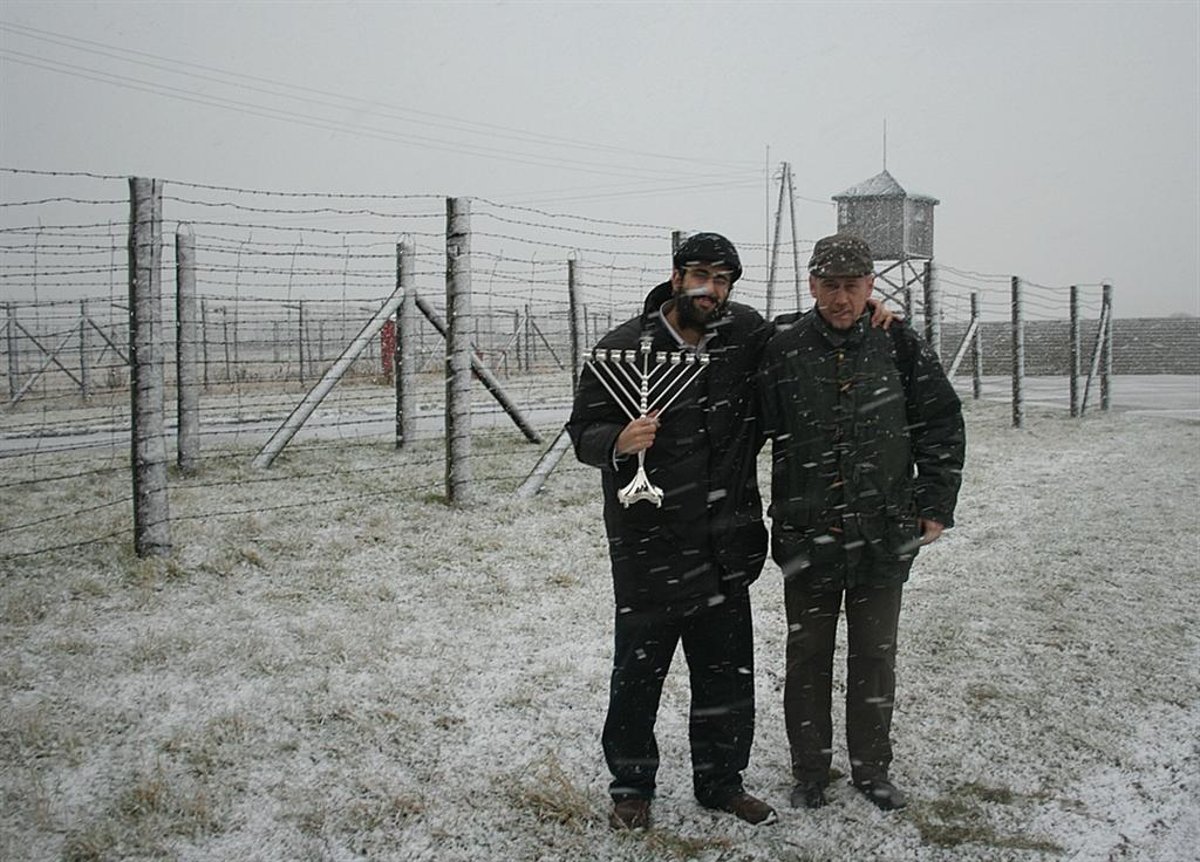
696	316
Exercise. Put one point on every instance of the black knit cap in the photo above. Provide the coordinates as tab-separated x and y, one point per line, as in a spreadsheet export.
709	248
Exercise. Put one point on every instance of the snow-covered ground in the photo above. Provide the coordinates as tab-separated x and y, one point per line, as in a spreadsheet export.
384	677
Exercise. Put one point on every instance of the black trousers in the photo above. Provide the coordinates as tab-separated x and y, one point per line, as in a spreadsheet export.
872	617
718	644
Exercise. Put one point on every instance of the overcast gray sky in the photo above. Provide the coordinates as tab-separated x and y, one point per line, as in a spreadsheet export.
1062	139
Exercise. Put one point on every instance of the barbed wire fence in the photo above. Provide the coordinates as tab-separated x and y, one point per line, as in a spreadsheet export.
284	283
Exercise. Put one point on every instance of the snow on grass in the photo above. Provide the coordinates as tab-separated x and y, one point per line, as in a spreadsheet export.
386	677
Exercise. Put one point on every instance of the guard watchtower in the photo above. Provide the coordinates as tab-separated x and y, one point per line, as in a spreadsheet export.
898	226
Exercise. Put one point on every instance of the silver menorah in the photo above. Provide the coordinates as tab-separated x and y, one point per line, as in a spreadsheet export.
641	381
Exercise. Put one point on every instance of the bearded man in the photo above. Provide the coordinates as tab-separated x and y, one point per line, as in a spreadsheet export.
682	570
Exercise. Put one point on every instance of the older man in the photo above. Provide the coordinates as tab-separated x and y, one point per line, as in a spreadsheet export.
867	453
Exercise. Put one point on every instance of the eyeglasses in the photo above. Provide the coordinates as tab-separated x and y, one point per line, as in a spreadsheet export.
721	278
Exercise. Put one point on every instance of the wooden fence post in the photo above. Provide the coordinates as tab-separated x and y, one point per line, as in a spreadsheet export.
85	381
1018	355
458	350
933	309
530	346
405	358
186	344
204	342
1076	347
1106	355
575	324
976	350
151	513
14	359
226	337
302	347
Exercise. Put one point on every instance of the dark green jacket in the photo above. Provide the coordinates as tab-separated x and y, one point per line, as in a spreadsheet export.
867	436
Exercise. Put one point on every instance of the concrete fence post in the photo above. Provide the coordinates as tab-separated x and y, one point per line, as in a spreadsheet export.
151	513
976	350
85	379
1018	355
14	357
187	331
933	310
1106	357
575	323
1076	350
406	347
458	351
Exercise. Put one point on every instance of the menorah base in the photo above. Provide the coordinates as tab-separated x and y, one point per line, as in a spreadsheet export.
640	489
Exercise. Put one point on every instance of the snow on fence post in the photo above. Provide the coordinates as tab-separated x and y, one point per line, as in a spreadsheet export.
933	310
405	368
458	350
1106	345
85	382
1076	350
151	514
186	353
976	350
1018	355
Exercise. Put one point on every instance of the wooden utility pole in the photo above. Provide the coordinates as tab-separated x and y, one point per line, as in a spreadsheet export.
775	245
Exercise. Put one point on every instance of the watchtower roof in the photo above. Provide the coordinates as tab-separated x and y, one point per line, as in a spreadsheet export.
882	186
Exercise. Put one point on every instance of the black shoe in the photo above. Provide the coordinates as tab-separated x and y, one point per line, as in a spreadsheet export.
750	808
883	794
631	814
808	794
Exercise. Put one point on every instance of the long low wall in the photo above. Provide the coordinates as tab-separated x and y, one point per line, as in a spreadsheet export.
1160	345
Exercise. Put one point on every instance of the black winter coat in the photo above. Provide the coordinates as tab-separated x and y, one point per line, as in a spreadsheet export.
708	537
867	437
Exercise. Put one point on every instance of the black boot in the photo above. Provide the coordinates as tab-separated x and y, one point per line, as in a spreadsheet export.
808	794
883	794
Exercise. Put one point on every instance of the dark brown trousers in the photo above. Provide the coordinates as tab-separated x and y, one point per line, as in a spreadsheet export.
872	616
